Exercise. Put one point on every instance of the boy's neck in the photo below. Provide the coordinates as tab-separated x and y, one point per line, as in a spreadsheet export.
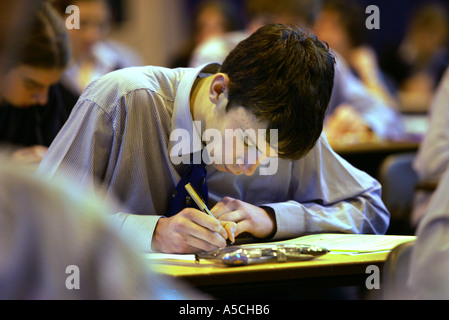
199	100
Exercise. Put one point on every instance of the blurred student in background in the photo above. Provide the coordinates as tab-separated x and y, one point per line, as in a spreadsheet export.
10	11
432	159
55	243
259	13
93	54
361	109
34	105
341	23
418	62
354	114
211	18
430	256
428	264
48	232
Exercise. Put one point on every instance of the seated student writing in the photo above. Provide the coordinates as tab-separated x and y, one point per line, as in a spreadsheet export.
33	104
124	134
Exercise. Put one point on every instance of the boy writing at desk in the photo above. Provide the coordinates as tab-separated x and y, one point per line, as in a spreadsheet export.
278	80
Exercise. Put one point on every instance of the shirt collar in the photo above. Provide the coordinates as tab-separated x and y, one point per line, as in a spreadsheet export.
188	135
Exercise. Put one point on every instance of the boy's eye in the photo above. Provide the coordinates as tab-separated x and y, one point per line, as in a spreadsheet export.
31	85
246	141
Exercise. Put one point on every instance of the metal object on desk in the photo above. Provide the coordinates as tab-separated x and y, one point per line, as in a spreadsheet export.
249	255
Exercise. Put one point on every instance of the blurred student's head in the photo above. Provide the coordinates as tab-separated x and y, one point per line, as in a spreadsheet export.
341	23
301	13
95	23
37	61
428	29
57	242
214	18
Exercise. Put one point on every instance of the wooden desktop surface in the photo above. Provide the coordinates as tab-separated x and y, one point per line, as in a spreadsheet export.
313	279
329	265
377	147
345	266
369	157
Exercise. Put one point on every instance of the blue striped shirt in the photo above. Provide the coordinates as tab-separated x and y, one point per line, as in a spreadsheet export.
118	135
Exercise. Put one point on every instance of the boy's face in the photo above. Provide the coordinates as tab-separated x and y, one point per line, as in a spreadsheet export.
26	86
329	28
94	27
236	140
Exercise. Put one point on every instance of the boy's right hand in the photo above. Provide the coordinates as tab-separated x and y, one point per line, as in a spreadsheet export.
190	231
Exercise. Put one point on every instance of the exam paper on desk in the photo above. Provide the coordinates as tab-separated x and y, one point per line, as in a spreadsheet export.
339	243
169	256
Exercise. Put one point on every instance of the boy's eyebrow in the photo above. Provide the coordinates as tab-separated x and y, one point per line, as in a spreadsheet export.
33	82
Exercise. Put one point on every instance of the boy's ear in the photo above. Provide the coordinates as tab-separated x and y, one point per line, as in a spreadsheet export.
219	87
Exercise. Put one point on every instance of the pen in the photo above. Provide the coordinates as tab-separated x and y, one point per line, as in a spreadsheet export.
200	203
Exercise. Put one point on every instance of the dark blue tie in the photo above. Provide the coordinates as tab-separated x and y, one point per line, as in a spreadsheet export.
196	175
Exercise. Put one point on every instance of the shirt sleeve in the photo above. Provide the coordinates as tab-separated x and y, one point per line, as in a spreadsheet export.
430	256
137	229
433	155
74	145
330	195
90	142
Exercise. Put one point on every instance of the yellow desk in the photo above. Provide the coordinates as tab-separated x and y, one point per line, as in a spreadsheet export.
377	147
299	279
329	265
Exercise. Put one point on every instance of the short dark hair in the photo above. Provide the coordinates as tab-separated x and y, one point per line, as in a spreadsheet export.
46	44
284	75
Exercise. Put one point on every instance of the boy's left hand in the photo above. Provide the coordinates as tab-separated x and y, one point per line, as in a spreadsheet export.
249	218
